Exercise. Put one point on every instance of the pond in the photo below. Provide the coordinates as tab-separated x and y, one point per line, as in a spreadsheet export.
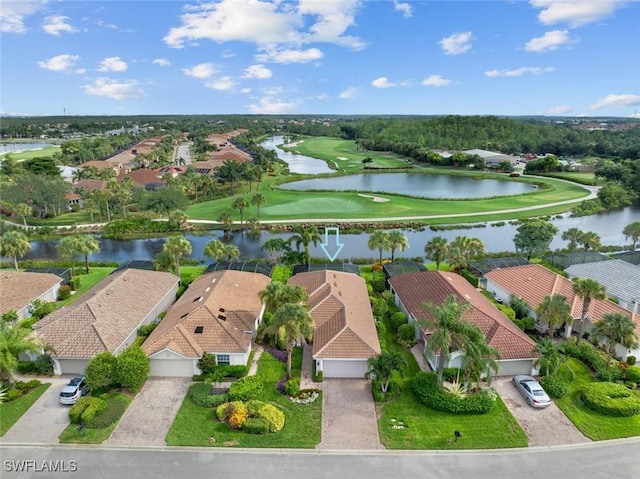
414	184
16	147
297	163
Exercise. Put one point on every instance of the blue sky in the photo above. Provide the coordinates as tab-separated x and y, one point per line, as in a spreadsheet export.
536	57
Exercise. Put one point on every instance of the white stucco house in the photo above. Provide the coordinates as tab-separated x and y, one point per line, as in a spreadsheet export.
18	291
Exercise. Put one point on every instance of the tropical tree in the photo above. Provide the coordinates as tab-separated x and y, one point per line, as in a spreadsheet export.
632	230
379	240
397	241
275	247
90	205
437	249
587	289
572	235
383	366
225	219
15	340
534	237
590	240
66	249
550	359
240	204
176	247
277	294
231	252
554	311
87	244
23	210
258	200
462	250
305	237
177	219
479	358
215	250
291	324
14	244
615	328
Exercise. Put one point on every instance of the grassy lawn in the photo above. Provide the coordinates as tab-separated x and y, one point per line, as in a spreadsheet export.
28	155
90	435
594	425
87	281
12	411
586	178
194	425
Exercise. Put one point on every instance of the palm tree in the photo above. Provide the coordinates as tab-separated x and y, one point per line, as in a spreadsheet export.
554	311
550	360
379	240
240	204
225	219
14	243
258	200
23	210
66	249
277	294
231	252
462	250
397	241
615	328
305	237
291	324
587	289
123	193
176	247
15	340
215	250
572	235
590	240
275	247
177	219
437	249
382	367
632	230
91	206
479	358
87	244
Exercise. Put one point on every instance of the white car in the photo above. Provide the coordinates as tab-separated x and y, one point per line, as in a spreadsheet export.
74	390
531	391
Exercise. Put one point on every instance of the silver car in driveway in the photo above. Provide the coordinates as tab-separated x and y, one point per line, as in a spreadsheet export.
531	391
73	390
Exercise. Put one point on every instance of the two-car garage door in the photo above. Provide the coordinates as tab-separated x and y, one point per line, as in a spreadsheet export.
344	368
172	367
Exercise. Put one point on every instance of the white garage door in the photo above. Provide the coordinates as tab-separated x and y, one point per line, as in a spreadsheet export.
511	368
340	368
73	366
171	367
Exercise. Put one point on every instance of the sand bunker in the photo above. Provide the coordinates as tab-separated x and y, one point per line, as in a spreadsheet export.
376	199
342	158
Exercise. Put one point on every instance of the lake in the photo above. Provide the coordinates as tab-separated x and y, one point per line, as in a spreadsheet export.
297	163
16	147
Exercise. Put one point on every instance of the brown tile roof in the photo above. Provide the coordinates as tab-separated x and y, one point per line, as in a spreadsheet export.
18	289
105	315
98	164
143	176
434	286
230	294
90	184
533	282
343	321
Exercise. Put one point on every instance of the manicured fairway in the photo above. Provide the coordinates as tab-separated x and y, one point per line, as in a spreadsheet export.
27	155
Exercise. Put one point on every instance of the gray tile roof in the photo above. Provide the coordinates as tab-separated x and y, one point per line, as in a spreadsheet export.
621	279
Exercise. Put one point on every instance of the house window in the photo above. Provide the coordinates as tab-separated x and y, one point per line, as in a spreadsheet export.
222	359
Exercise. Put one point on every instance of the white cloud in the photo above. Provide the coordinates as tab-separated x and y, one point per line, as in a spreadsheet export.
348	93
259	72
267	22
246	90
112	64
163	62
118	90
223	83
616	101
13	13
228	54
635	115
436	80
549	41
290	56
272	106
56	24
559	110
59	63
81	71
574	12
405	8
203	70
518	72
456	44
383	82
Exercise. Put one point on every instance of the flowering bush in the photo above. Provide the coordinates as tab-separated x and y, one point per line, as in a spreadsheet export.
274	416
279	354
306	396
238	414
237	418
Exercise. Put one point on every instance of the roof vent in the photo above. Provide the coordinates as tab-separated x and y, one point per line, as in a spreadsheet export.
208	289
184	315
221	310
198	329
197	299
222	317
339	293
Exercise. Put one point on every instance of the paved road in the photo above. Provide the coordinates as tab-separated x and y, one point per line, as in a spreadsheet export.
183	151
611	459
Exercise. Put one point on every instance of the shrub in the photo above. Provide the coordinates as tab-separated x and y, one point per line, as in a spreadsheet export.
378	281
519	306
450	374
39	309
132	368
529	323
555	385
237	418
306	396
25	367
407	335
85	409
292	387
13	394
113	411
274	416
279	354
254	406
43	364
609	373
200	393
224	411
207	362
256	425
427	392
233	371
397	320
249	387
585	352
631	360
147	329
611	399
75	283
393	391
100	374
381	329
507	311
64	292
633	374
470	277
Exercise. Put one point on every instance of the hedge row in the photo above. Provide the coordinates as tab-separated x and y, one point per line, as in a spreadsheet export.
247	388
85	409
427	392
200	393
594	358
611	399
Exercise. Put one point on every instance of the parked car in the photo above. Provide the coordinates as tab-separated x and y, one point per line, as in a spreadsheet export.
74	390
531	391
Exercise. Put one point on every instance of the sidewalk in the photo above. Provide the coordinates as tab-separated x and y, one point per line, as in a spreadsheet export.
417	351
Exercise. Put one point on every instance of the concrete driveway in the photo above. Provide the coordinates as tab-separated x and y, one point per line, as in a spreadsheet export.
349	419
45	419
149	417
545	427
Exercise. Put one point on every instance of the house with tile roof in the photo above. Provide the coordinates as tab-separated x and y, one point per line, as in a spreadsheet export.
106	318
219	314
515	347
533	282
18	290
345	335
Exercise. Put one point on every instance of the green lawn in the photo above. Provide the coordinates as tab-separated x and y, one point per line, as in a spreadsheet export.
87	281
592	424
12	411
194	425
27	155
585	178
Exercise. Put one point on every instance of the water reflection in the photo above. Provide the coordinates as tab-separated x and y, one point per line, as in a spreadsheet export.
297	163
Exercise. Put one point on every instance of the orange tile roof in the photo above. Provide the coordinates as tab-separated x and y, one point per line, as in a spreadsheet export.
229	294
533	282
343	322
142	177
414	289
105	315
18	289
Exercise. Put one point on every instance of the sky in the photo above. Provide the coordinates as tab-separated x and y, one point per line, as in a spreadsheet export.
314	57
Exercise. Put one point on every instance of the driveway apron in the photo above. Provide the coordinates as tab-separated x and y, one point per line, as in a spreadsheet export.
349	419
149	417
45	419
